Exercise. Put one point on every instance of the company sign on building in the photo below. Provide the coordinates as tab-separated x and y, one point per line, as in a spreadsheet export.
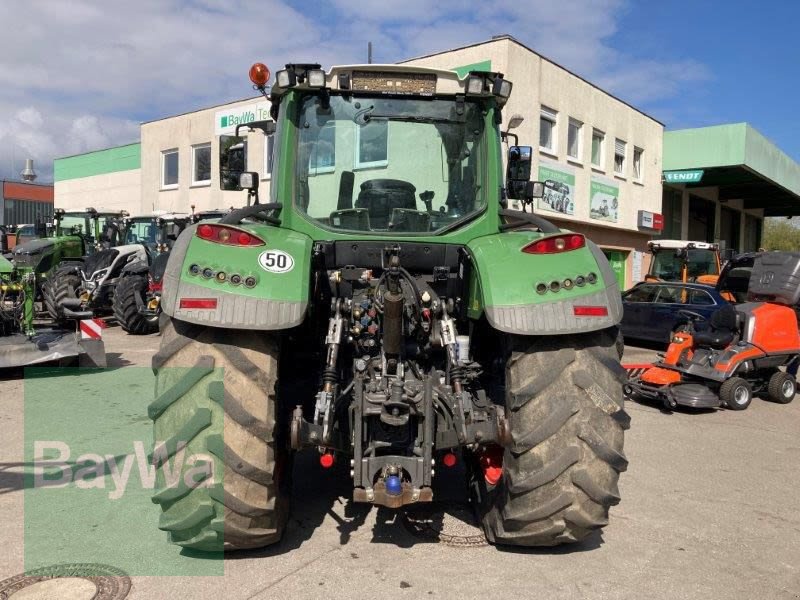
225	121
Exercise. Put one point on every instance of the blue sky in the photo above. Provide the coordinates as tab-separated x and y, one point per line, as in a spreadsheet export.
81	75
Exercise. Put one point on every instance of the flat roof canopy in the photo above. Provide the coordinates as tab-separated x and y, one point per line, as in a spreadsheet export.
741	162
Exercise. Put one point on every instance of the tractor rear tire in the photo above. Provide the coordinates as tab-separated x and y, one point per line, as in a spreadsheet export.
781	388
234	427
564	406
60	287
129	294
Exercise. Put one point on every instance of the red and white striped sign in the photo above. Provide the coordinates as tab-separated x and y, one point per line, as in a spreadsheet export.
92	329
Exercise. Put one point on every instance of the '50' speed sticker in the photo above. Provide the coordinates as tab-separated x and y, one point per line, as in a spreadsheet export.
276	261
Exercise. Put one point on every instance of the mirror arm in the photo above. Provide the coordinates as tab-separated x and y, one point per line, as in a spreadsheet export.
268	127
504	135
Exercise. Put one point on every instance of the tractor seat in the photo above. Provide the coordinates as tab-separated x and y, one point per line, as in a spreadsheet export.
722	329
381	196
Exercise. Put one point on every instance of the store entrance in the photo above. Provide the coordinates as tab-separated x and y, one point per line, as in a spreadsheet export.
618	259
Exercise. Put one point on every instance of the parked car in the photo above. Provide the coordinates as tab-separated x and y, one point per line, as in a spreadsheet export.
651	309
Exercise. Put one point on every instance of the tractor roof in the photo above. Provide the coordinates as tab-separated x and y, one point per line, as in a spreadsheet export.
656	245
397	80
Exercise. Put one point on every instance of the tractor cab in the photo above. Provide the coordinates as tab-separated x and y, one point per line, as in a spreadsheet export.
679	260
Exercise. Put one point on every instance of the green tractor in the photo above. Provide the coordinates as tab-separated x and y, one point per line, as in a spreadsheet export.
86	235
17	293
385	308
75	234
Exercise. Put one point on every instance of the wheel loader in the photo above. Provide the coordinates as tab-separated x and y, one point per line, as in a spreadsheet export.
386	310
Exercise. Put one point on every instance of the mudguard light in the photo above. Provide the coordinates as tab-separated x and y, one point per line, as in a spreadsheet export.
230	236
556	244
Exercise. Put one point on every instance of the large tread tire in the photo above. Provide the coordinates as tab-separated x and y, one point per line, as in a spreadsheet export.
61	286
564	405
234	425
129	294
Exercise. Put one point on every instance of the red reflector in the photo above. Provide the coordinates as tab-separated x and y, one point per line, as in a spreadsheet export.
491	462
555	244
198	303
590	311
155	286
230	236
449	460
326	460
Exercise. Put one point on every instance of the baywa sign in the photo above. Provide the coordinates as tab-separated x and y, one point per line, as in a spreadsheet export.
225	121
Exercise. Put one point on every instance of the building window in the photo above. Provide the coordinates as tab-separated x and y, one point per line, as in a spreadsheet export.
169	169
372	144
574	139
201	164
598	137
547	129
269	146
323	152
619	157
637	163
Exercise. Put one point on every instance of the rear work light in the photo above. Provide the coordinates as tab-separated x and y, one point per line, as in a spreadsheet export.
210	303
590	311
230	236
555	244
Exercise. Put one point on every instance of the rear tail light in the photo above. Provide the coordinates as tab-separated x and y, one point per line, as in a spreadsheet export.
231	236
210	303
154	286
590	311
555	244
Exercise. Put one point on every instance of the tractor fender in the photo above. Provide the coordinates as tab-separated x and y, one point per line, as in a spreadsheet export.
279	298
507	286
135	267
69	266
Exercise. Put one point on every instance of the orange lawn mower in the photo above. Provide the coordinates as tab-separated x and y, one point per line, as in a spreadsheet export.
742	351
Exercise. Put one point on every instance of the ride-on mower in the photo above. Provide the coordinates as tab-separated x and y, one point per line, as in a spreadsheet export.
387	309
742	351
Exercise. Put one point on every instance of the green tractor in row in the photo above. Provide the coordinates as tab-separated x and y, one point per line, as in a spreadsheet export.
25	273
387	309
73	236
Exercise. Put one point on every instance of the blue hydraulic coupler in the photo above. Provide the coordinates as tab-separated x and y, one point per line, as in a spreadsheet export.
394	487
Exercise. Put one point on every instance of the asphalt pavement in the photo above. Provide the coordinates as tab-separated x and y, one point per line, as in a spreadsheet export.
709	510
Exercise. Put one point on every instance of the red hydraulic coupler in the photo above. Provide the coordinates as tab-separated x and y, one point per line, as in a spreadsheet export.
491	461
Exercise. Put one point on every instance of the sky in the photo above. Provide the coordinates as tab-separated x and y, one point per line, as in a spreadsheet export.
80	75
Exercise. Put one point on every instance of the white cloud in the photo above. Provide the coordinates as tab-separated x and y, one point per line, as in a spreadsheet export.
79	75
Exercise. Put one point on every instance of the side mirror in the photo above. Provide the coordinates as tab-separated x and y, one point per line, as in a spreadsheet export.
232	161
518	172
519	163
